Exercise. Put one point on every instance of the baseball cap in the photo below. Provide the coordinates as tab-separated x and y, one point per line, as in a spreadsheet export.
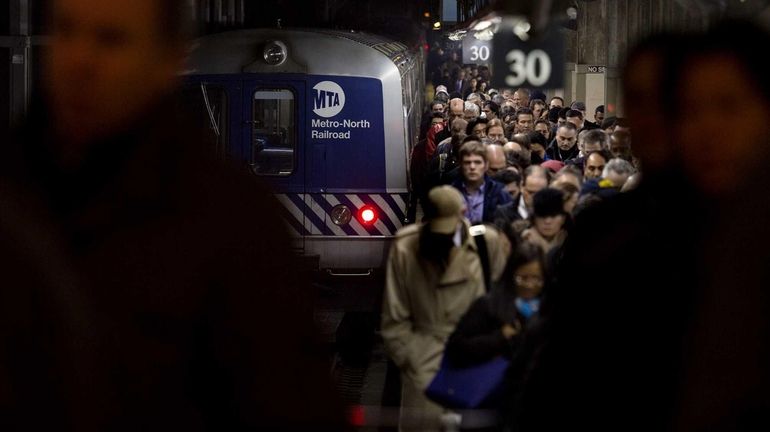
440	89
444	210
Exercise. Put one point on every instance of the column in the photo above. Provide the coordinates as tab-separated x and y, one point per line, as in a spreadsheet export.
18	44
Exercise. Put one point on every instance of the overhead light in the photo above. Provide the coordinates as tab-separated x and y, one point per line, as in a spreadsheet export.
274	53
437	25
485	35
488	23
521	29
426	14
457	35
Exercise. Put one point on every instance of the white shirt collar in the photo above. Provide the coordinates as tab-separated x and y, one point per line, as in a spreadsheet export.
523	212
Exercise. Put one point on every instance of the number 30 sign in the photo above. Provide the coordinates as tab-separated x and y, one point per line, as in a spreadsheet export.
476	51
536	62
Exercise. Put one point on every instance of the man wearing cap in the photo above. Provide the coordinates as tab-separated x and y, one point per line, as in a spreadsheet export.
433	275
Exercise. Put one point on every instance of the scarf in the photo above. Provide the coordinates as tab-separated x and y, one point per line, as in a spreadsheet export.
527	308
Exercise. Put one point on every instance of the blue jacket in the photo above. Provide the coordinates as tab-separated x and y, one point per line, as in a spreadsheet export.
494	195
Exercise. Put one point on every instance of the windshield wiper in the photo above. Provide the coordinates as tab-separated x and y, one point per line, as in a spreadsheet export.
208	108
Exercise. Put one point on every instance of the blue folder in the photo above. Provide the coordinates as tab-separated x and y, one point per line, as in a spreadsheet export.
469	387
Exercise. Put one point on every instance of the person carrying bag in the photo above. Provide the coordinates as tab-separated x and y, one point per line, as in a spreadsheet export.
479	351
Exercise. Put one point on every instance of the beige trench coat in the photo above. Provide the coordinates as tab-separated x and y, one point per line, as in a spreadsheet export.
422	306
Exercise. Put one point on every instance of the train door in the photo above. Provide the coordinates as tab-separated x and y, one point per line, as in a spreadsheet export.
273	146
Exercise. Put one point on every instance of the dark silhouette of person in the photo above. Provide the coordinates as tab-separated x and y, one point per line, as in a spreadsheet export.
145	285
658	319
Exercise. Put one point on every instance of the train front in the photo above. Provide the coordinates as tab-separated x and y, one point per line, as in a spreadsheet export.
323	118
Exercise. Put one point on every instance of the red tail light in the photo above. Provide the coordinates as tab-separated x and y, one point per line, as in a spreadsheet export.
367	215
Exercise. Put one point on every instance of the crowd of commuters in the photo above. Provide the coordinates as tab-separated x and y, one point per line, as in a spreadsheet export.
136	293
583	235
520	165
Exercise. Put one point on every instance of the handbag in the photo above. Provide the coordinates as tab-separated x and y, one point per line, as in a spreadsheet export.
468	387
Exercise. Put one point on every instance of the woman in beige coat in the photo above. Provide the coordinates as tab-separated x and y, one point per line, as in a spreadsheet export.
434	273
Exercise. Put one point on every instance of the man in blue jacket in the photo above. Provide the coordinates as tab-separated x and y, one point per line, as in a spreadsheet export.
482	194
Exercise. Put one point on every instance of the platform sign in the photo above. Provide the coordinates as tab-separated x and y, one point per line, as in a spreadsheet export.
537	62
476	51
593	69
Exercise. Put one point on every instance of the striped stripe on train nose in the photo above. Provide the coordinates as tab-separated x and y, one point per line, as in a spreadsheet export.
310	214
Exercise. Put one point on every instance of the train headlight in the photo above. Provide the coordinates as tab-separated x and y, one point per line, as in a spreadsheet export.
341	215
274	53
367	215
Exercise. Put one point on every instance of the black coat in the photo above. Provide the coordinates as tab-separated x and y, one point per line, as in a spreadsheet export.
478	337
554	152
187	311
506	214
641	343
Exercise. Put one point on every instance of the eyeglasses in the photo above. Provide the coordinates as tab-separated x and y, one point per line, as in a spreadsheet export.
528	280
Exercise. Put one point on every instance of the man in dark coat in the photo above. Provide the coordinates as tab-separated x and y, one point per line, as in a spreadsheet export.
673	335
157	291
564	145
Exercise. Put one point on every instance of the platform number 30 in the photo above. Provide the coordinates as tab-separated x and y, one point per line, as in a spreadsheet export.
480	53
524	67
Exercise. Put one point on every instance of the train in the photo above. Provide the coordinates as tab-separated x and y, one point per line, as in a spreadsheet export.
328	119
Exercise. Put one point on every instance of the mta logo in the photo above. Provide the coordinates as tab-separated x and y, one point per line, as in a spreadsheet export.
328	99
324	98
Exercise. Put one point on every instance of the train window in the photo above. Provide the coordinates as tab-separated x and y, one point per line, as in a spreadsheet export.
207	103
273	132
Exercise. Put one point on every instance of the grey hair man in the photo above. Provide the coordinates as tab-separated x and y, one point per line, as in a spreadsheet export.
471	111
593	140
618	171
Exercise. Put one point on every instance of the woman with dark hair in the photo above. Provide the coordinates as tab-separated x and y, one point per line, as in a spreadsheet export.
548	221
494	323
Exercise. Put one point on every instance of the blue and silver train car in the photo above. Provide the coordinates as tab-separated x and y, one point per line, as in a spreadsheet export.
328	119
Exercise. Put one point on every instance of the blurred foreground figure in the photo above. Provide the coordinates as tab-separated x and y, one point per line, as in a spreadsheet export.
674	334
145	286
